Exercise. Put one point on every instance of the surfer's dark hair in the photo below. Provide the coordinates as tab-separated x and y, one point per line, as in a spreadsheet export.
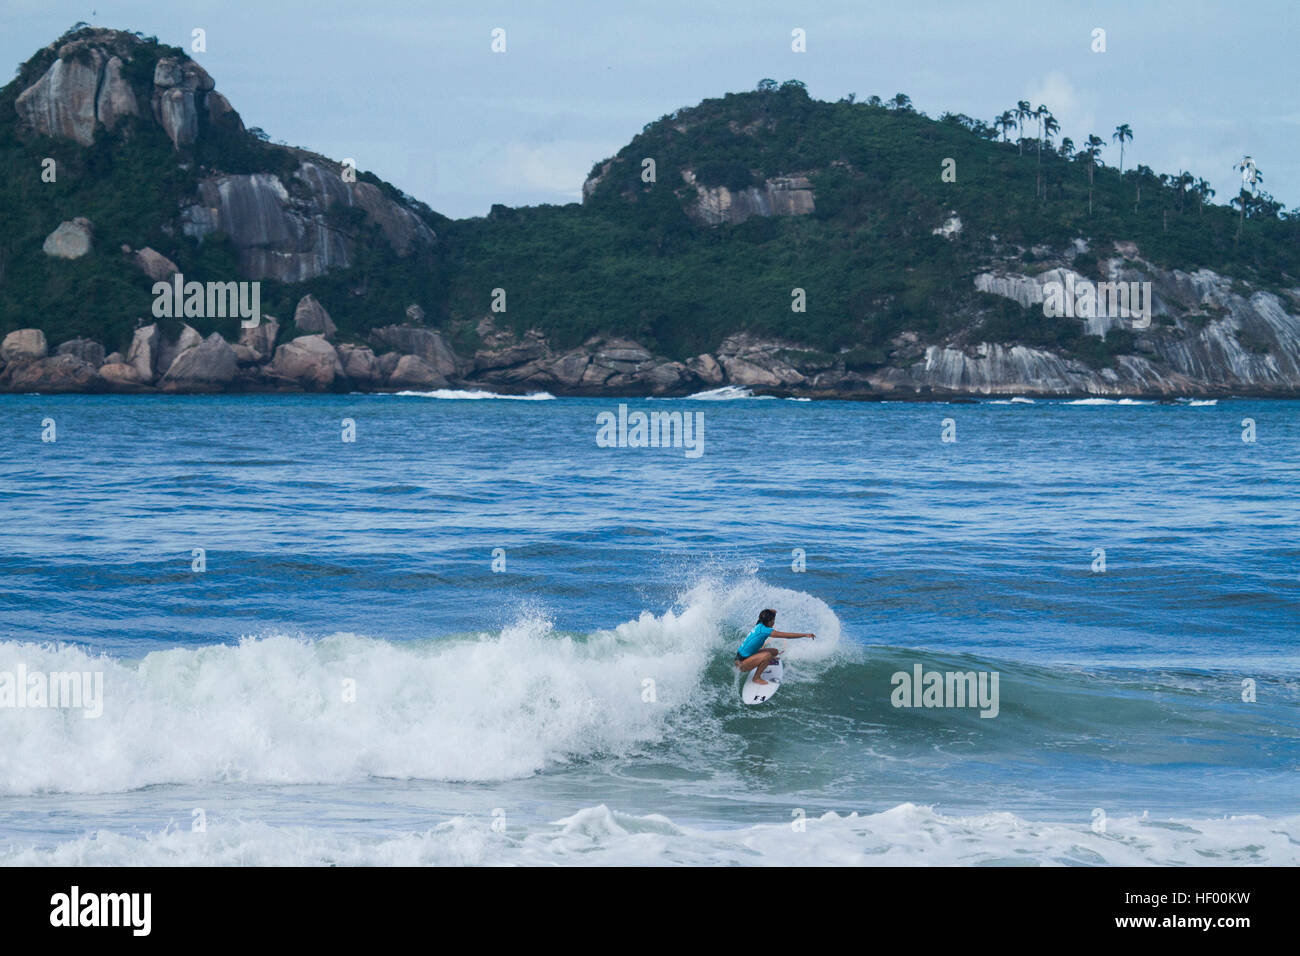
766	617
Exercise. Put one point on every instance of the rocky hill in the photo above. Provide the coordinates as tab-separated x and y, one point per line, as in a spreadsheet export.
762	239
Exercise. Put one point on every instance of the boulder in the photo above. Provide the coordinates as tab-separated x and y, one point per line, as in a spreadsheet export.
71	240
114	358
749	360
665	377
143	353
595	375
707	368
311	318
414	372
57	373
623	350
308	361
245	355
569	368
61	104
155	265
740	372
179	86
261	337
177	115
414	314
360	364
24	345
168	351
88	350
220	110
116	98
388	364
209	365
425	343
120	377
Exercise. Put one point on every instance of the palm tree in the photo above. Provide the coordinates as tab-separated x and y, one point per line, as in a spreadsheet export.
1250	175
1046	122
1051	126
1143	173
1095	145
1203	195
1067	147
1005	122
1023	111
1182	182
1122	133
901	101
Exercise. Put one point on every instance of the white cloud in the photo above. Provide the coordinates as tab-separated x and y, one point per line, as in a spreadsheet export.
1073	110
557	167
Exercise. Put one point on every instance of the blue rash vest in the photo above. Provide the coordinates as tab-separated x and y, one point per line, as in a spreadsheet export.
754	641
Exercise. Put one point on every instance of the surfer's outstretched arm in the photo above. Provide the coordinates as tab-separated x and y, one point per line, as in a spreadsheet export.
789	634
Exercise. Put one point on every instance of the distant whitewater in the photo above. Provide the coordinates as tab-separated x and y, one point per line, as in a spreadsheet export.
727	393
456	394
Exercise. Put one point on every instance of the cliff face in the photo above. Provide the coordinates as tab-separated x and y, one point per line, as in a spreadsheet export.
83	90
282	228
1209	335
778	196
285	234
86	90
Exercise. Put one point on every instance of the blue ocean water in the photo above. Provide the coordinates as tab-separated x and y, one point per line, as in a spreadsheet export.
472	635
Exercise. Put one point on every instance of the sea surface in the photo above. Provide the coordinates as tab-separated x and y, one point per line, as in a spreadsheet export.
474	635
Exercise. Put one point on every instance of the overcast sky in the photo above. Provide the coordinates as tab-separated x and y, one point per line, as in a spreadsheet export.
413	91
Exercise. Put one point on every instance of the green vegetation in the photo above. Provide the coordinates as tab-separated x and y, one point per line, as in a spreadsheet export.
130	184
632	261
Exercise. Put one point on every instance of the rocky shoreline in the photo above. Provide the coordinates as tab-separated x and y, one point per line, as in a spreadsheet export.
1213	338
414	358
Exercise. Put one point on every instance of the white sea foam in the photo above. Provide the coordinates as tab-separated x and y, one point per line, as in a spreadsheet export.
727	393
907	835
458	394
1108	401
489	706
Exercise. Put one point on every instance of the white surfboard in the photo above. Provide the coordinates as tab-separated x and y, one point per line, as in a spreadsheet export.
753	693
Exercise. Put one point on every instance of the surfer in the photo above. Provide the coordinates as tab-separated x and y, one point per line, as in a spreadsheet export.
752	654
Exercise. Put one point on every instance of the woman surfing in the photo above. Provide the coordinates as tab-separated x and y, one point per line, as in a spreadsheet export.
752	654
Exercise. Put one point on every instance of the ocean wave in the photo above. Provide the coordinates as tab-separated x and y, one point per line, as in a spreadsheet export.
906	835
281	709
479	707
